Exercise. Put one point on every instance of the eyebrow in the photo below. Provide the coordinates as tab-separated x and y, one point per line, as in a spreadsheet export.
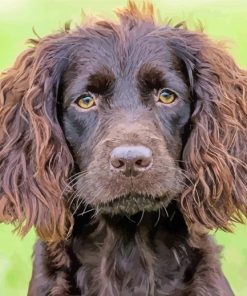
149	78
101	82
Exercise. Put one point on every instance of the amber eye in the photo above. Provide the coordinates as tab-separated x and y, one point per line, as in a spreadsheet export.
85	101
167	96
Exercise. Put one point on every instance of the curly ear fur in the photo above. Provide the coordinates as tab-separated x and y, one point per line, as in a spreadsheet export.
34	158
215	154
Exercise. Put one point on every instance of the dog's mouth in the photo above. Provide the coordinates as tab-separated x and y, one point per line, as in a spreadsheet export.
132	204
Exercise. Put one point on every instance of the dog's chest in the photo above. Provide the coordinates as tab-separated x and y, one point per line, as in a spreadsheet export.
112	266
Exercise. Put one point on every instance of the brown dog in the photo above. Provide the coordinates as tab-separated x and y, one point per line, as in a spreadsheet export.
123	144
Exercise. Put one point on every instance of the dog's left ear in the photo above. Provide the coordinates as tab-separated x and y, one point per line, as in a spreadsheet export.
215	155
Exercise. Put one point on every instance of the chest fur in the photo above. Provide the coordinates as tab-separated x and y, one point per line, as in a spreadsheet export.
145	264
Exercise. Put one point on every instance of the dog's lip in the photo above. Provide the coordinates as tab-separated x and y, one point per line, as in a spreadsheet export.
132	203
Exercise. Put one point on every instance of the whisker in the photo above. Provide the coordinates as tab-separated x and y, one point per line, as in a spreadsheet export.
141	218
76	194
157	221
78	205
130	219
166	211
73	197
76	174
184	174
85	212
74	177
85	208
172	216
176	256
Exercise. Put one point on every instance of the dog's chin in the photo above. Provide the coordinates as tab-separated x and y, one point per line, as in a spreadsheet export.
131	204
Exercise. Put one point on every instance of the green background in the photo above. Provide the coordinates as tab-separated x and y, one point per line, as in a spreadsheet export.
221	19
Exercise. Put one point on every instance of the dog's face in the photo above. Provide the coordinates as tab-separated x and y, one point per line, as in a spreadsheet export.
125	107
133	115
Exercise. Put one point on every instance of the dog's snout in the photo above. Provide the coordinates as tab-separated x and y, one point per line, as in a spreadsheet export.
131	160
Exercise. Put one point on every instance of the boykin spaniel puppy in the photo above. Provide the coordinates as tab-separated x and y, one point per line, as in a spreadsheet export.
123	144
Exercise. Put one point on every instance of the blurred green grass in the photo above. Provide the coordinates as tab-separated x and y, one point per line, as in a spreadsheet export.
222	19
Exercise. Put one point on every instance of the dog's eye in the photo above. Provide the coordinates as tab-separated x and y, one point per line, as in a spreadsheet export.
167	96
85	101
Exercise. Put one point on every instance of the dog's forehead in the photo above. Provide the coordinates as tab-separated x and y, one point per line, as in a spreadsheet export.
124	54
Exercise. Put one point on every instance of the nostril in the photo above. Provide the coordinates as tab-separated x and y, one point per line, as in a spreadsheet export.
117	163
139	162
143	162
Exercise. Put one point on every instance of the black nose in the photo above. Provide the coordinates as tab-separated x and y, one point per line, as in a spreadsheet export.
131	160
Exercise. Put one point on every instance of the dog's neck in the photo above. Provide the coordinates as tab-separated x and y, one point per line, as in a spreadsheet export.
127	227
117	247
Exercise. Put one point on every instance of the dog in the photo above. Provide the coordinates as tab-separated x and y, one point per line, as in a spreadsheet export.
124	144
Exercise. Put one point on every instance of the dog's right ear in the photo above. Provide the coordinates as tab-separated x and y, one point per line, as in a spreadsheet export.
34	158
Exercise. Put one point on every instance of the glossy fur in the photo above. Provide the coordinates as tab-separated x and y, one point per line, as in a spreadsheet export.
103	233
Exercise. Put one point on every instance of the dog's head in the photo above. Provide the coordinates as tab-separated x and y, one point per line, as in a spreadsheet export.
129	116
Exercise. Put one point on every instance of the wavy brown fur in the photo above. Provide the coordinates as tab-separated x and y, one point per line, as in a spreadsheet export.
214	156
32	145
36	162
